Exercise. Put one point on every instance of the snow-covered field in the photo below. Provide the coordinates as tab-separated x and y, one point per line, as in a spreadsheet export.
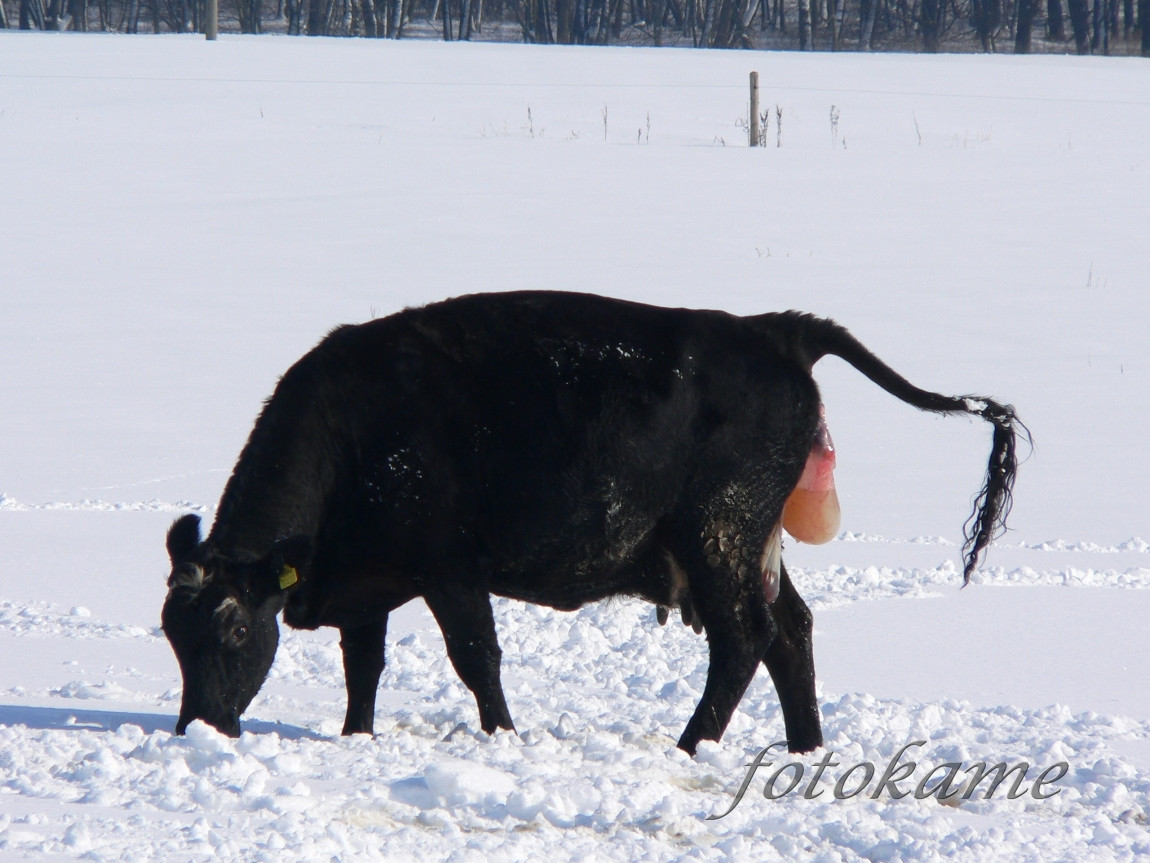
180	220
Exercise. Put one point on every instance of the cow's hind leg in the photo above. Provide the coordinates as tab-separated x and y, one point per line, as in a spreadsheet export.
739	626
790	660
464	616
363	660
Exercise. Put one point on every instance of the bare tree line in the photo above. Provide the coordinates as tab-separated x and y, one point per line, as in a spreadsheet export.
1022	26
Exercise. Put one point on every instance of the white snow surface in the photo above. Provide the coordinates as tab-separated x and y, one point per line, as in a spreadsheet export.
180	220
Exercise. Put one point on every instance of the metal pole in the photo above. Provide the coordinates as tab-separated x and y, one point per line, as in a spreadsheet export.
212	20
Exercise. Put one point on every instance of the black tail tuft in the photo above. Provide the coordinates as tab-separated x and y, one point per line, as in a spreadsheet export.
994	501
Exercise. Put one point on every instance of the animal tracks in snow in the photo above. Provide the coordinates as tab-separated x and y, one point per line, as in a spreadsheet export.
8	504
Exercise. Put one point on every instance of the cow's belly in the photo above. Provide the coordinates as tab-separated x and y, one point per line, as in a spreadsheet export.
567	576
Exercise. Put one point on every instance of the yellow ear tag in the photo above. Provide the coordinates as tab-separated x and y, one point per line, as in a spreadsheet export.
288	577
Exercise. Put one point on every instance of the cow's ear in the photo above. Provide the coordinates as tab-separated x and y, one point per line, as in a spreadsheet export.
288	563
183	538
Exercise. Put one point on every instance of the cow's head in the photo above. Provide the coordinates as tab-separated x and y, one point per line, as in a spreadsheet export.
220	618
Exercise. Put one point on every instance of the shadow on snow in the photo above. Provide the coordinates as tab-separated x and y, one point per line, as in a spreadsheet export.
65	719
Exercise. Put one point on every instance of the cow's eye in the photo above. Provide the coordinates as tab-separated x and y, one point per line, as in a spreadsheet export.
239	634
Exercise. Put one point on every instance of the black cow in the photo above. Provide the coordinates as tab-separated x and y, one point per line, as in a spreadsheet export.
552	447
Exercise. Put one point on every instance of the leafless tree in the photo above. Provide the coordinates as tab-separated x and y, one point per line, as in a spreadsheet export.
1101	26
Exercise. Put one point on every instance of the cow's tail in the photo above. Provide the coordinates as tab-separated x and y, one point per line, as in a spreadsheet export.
815	338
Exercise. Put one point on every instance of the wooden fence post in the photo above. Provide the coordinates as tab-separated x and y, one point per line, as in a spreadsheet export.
754	124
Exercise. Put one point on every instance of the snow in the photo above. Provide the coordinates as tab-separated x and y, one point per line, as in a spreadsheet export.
180	220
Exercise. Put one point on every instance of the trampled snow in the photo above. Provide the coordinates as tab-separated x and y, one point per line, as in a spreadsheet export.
180	220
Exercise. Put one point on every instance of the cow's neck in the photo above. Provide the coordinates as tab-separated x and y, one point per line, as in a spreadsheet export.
283	475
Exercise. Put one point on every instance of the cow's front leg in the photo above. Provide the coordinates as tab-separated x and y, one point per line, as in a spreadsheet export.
733	608
464	616
791	662
363	661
